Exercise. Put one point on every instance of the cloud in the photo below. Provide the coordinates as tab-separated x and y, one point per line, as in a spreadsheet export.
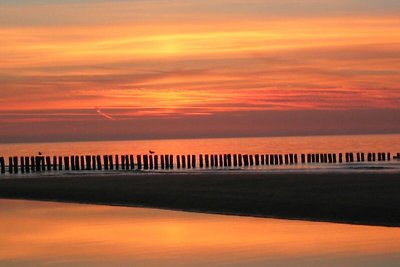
104	114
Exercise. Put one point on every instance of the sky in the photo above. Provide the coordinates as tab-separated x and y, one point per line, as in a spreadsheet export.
140	69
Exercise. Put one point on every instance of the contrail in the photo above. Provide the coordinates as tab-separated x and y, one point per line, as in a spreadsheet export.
104	114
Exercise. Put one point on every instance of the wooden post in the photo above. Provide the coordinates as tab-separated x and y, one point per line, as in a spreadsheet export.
151	162
27	167
88	162
251	158
15	161
317	158
145	162
246	160
240	160
262	159
183	161
33	164
286	159
2	165
171	161
132	162
280	159
123	162
221	161
383	156
235	160
201	161
388	156
257	159
291	159
94	162
72	158
362	157
156	162
60	163
111	162
105	161
207	159
117	162
82	162
66	163
334	158
98	159
10	165
276	159
48	163
330	159
178	161
212	161
308	158
296	159
225	160
55	163
193	161
166	158
43	163
22	165
162	162
188	161
139	162
77	163
229	160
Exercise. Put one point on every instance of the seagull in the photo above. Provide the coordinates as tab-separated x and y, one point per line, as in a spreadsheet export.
40	153
151	152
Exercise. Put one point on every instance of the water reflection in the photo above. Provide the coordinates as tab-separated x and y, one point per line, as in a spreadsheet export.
39	233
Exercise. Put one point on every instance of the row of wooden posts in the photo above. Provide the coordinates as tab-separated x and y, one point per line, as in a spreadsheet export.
154	162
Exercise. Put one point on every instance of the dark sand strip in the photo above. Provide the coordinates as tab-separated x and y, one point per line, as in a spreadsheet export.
362	198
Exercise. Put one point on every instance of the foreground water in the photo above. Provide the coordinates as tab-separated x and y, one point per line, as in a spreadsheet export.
264	145
55	234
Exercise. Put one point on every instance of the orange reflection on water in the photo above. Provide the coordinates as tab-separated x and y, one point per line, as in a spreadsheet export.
54	232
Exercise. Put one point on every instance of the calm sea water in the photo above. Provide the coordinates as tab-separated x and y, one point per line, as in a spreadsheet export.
265	145
55	234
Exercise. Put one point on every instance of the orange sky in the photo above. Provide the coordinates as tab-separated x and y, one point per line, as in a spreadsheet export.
183	58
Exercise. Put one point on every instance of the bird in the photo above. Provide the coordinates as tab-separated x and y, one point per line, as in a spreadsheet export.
151	152
40	153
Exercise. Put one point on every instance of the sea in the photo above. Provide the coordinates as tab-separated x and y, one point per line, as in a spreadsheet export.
387	143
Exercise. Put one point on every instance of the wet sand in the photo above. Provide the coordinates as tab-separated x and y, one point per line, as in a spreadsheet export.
371	198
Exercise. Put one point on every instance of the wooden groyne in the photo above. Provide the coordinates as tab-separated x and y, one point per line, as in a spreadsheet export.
28	164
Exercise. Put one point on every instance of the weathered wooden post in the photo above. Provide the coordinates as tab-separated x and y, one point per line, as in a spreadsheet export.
145	162
66	163
76	159
330	159
88	160
162	162
72	158
132	162
139	162
123	162
117	162
33	164
308	158
212	160
60	163
373	156
240	160
2	165
166	158
291	159
156	162
235	160
257	159
262	159
358	156
48	163
15	161
10	165
193	161
151	162
22	165
216	161
251	158
229	160
111	162
383	156
276	159
286	159
221	161
98	160
225	156
246	160
189	165
207	159
94	162
43	163
280	159
362	157
313	158
171	161
296	159
303	158
334	158
105	161
201	161
82	162
178	161
183	161
55	163
27	167
388	156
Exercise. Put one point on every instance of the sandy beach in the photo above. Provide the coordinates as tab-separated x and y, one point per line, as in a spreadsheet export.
360	198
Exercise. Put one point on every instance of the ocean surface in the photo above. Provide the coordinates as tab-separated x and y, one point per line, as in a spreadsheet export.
261	145
34	233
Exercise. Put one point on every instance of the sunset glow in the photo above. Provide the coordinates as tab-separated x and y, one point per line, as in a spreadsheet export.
183	58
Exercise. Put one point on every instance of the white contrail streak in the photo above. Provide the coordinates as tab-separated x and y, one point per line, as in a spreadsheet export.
101	113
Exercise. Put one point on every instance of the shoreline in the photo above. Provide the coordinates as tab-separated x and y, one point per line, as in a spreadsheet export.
370	198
